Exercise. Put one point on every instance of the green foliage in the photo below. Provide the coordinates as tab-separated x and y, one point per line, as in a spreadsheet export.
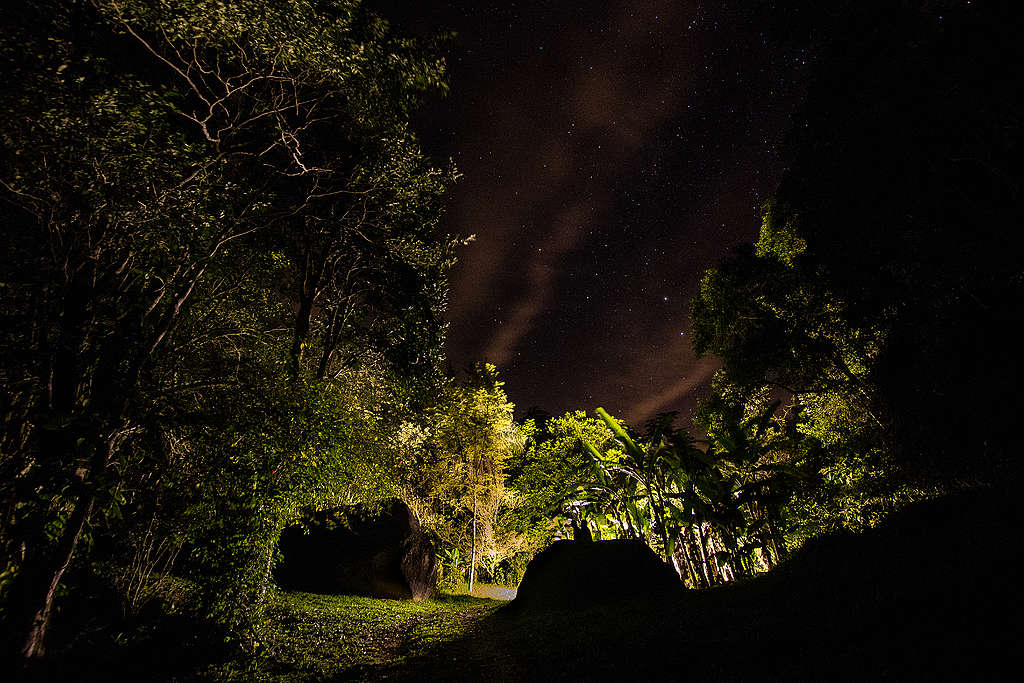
780	237
227	283
550	471
715	514
781	331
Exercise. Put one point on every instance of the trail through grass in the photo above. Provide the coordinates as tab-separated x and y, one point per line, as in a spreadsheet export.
343	637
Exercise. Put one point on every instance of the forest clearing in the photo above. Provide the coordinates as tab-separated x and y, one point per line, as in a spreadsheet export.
326	325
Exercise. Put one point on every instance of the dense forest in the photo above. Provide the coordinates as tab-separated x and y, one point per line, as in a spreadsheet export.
223	307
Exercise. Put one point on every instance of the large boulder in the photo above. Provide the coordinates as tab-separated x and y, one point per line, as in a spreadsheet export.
574	574
380	553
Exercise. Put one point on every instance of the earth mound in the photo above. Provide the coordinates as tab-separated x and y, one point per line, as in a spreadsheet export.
574	574
355	550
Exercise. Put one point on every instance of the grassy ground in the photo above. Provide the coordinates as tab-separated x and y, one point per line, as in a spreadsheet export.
342	637
305	637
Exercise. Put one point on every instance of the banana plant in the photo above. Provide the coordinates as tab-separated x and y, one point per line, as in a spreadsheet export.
636	476
749	486
616	492
713	508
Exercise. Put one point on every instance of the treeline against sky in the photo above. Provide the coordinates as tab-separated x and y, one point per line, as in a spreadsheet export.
866	335
224	291
869	358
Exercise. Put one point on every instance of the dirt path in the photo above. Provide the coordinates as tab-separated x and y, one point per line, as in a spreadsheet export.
431	640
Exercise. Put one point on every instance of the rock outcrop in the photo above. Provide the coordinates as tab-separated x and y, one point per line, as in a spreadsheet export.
574	574
353	550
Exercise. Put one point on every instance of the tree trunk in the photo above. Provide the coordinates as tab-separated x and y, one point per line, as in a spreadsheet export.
699	561
472	560
709	570
724	568
777	541
34	646
660	518
629	521
696	571
682	571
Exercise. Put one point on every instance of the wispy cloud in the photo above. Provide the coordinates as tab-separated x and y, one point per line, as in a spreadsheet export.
670	395
611	111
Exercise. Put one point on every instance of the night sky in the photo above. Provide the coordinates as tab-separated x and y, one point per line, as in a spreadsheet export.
610	153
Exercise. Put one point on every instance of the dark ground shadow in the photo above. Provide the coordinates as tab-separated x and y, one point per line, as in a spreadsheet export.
932	594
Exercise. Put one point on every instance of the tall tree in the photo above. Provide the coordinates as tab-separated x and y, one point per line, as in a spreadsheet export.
476	434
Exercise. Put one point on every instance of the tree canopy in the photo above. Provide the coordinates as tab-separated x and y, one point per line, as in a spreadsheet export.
226	257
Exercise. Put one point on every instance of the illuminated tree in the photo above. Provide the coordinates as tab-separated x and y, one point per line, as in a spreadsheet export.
709	512
551	470
476	434
769	314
